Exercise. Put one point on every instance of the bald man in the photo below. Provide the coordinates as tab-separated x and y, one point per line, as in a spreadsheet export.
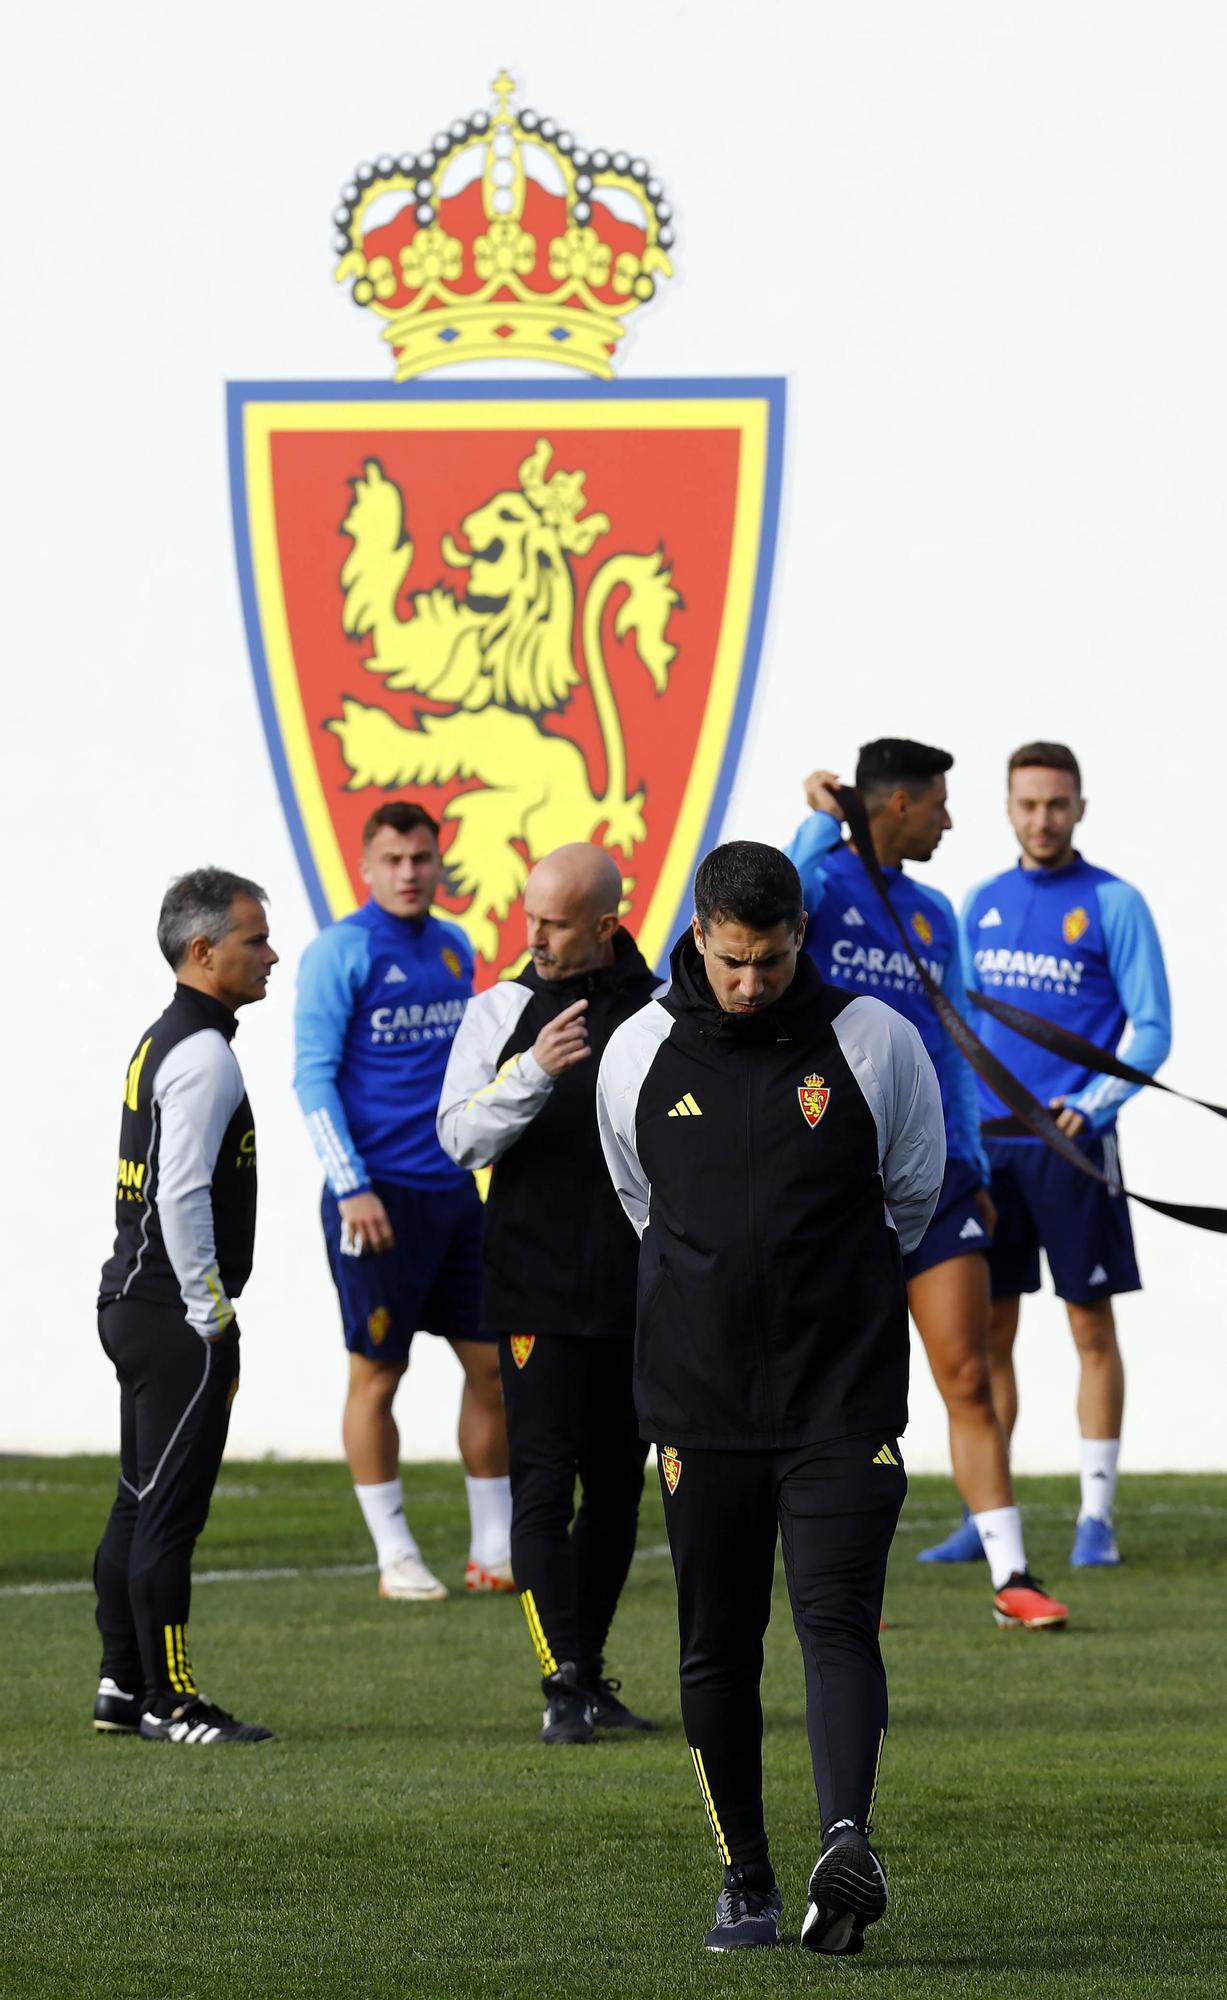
559	1265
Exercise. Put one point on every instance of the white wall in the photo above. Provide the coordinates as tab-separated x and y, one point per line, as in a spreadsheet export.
984	244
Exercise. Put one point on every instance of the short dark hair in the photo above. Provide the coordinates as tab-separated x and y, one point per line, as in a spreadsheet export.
895	763
403	816
1052	756
200	904
745	882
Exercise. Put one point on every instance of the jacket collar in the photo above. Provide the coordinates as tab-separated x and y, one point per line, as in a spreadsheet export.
214	1014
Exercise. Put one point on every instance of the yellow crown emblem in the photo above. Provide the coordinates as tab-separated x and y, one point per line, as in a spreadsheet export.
504	239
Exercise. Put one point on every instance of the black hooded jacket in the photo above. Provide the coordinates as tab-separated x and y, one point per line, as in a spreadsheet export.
774	1165
558	1254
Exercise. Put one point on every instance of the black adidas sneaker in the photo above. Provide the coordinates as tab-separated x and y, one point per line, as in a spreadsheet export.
116	1713
199	1721
568	1707
847	1891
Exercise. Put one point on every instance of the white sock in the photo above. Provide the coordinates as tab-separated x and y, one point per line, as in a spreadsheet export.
1001	1533
1099	1456
383	1509
489	1521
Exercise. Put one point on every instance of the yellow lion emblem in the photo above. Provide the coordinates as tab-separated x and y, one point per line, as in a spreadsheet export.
501	657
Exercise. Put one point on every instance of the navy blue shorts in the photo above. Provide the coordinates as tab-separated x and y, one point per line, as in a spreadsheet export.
956	1228
1082	1227
430	1281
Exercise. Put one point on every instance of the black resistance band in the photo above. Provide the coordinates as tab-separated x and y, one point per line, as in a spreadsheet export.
1030	1116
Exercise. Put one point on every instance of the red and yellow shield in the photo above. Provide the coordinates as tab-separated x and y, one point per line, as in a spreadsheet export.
671	1466
814	1097
537	609
521	1347
1075	924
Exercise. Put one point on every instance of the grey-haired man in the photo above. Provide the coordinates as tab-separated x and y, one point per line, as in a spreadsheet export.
185	1225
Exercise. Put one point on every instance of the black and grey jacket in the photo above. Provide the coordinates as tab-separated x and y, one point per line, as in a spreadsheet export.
774	1165
185	1199
557	1255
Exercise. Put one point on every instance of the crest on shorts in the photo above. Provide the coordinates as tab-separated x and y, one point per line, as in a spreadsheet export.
671	1467
522	1347
378	1323
814	1096
536	606
1075	924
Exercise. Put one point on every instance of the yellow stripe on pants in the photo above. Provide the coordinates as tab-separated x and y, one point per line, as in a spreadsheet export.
722	1846
536	1632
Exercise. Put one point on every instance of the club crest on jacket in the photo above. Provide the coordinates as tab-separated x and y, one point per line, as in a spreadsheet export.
814	1096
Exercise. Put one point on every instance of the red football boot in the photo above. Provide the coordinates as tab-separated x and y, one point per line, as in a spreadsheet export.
1023	1602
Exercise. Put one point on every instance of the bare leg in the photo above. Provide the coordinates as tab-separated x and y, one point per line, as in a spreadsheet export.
483	1427
1003	1327
1101	1387
368	1428
950	1305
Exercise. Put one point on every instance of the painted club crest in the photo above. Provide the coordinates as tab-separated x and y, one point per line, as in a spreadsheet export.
1074	925
521	1347
535	606
671	1467
814	1096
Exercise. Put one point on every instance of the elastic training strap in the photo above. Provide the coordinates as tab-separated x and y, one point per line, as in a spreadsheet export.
1032	1116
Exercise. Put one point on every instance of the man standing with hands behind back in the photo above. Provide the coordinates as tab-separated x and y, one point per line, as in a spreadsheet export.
559	1261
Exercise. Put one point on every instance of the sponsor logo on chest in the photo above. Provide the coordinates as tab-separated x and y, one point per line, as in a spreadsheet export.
874	965
1034	971
435	1021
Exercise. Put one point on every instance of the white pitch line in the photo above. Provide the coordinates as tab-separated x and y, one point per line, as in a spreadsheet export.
201	1576
81	1586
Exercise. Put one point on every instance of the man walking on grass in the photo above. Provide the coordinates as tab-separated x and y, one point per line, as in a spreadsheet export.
778	1145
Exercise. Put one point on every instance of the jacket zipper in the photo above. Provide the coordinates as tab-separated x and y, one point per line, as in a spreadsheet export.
752	1238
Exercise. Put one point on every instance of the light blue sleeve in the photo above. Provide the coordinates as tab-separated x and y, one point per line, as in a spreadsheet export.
1135	961
959	1078
814	839
333	969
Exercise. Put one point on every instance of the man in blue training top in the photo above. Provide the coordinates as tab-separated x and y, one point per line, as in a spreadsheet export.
380	997
1071	942
854	944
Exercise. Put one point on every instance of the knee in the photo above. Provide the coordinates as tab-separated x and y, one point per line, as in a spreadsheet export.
965	1385
1094	1330
373	1390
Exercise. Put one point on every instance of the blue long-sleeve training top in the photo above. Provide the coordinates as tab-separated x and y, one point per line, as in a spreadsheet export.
1078	946
379	1001
853	943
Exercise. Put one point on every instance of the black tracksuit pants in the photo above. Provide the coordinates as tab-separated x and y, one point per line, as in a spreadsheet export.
175	1392
835	1508
570	1414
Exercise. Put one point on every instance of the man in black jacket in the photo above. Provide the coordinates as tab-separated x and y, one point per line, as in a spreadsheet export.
559	1262
185	1221
777	1144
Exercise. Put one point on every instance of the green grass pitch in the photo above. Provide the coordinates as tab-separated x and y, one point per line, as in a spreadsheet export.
1051	1808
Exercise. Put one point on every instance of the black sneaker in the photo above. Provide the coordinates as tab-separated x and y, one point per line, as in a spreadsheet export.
610	1713
116	1713
847	1891
199	1721
748	1911
568	1707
